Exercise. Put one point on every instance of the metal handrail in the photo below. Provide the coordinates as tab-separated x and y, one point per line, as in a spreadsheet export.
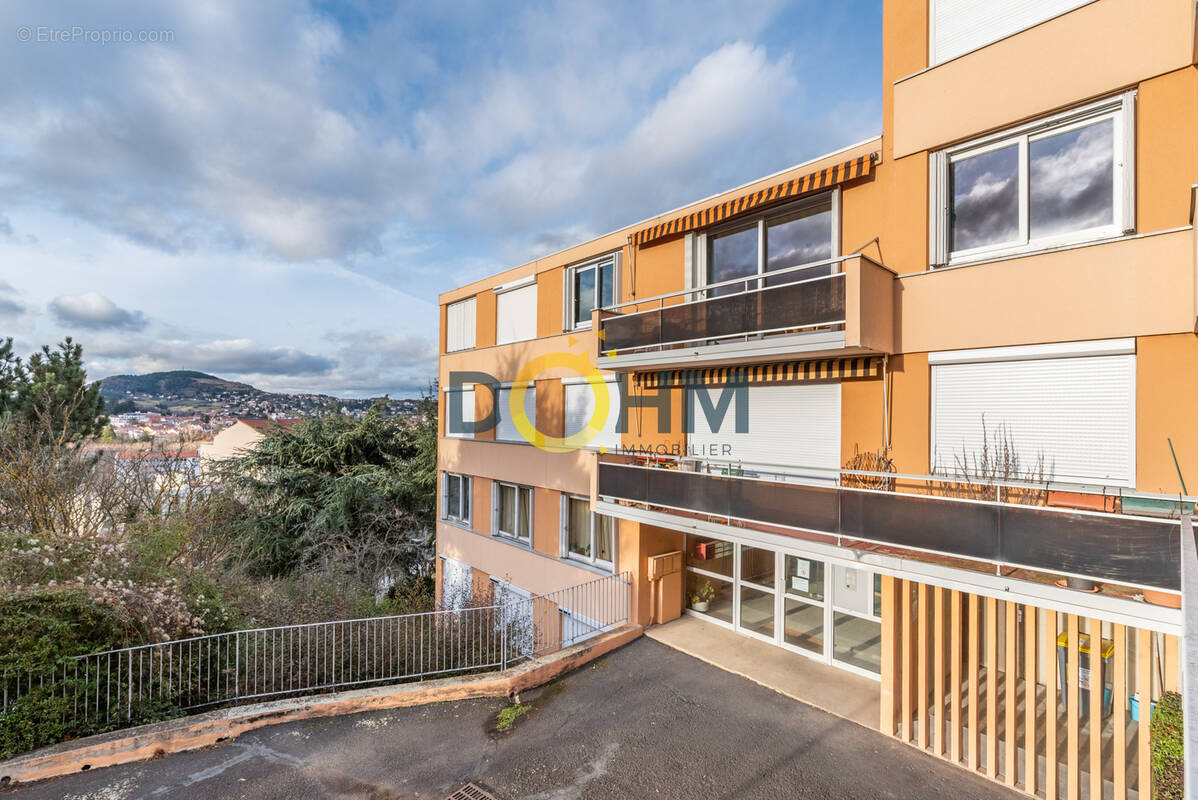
733	281
801	471
115	688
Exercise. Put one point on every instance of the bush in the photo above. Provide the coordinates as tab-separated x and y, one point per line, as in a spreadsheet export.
1168	773
39	633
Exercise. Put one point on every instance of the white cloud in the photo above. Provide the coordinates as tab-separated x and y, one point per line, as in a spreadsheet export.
92	311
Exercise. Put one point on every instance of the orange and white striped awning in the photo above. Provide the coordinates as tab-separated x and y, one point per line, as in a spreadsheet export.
782	372
812	182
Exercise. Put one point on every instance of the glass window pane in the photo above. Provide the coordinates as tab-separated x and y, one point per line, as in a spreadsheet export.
803	625
984	192
607	284
710	596
732	255
604	530
525	513
452	507
584	294
1071	180
757	566
507	509
709	555
857	641
466	485
757	611
799	238
805	577
878	596
578	527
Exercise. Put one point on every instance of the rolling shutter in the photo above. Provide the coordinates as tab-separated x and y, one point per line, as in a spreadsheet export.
792	426
1079	413
459	325
506	429
580	405
516	314
959	26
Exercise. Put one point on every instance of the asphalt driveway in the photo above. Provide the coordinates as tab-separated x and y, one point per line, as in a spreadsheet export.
644	721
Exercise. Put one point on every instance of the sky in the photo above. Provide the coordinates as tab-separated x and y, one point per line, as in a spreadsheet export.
276	191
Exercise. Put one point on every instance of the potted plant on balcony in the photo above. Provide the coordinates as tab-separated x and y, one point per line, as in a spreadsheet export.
701	599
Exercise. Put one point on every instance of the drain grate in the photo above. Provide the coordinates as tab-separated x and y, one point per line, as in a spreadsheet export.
470	792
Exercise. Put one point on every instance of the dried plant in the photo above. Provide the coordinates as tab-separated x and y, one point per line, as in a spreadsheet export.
869	461
974	475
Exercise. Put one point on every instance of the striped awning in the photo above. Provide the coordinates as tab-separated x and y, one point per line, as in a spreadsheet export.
822	179
782	372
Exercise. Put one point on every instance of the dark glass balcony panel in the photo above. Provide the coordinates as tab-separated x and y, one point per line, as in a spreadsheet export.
787	306
1104	547
925	523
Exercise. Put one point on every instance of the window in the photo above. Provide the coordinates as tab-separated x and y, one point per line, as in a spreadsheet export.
505	429
959	26
1067	410
454	423
580	407
455	497
513	512
516	311
1059	181
805	233
587	536
590	286
459	325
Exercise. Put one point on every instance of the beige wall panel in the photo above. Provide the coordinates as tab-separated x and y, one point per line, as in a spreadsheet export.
1096	49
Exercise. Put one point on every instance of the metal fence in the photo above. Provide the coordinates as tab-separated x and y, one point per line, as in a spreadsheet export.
117	688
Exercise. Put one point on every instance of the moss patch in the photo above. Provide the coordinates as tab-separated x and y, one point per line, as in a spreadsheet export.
507	716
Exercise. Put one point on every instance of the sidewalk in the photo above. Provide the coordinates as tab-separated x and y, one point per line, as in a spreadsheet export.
829	689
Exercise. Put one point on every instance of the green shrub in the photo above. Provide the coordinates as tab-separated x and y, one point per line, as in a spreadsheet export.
39	632
1168	773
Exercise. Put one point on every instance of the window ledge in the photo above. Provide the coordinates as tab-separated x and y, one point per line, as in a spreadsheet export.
1054	249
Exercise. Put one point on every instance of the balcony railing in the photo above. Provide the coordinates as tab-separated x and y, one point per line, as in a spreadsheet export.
1007	523
850	305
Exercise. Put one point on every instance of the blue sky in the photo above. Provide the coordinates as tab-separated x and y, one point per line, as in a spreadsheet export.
278	192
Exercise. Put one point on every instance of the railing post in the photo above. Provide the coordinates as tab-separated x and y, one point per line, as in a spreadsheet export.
236	667
503	639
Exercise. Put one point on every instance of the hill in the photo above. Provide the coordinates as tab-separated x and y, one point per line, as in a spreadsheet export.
186	392
182	382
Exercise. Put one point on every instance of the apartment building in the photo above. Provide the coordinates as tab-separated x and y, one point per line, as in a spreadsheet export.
921	409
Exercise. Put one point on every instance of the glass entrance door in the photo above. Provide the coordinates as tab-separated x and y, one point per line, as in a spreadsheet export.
856	619
755	602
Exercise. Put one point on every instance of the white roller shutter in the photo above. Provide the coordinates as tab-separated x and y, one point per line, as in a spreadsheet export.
1078	412
459	325
457	584
580	405
516	314
959	26
506	429
793	426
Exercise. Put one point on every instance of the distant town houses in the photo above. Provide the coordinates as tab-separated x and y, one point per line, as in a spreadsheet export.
162	429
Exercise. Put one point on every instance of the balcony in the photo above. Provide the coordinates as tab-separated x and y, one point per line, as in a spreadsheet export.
846	312
1031	527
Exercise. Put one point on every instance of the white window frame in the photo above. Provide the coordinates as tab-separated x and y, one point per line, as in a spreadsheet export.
702	242
513	536
465	491
512	286
473	328
568	321
502	406
564	541
467	390
613	409
1120	109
